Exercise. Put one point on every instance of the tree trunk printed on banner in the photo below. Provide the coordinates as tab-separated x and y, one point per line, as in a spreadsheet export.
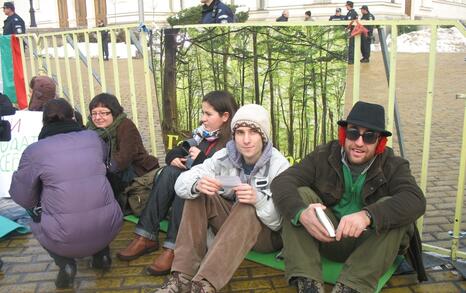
296	72
169	107
256	65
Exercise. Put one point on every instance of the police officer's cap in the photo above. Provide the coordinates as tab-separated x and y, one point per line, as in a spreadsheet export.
365	7
9	5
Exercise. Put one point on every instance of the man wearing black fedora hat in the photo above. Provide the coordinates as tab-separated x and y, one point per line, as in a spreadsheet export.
13	24
367	193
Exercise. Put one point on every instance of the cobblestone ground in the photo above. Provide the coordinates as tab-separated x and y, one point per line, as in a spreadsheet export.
447	125
28	268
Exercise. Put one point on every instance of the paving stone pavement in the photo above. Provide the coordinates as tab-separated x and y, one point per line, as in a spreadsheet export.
447	125
28	268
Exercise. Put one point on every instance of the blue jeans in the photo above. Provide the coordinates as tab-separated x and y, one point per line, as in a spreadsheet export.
162	197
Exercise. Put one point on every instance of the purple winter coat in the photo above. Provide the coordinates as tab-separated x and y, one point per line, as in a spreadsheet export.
66	172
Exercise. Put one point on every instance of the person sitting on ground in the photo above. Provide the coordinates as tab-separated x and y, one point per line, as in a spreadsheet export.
128	157
61	181
369	195
230	194
284	17
218	107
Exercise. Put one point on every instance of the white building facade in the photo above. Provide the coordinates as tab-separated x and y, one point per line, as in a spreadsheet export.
85	13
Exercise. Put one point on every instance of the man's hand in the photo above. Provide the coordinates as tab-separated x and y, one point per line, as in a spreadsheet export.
208	186
245	193
312	224
194	152
179	162
352	225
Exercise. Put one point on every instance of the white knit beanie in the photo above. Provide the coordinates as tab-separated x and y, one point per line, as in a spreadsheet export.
254	116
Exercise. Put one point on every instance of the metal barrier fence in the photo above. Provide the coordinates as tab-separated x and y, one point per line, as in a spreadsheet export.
37	59
54	54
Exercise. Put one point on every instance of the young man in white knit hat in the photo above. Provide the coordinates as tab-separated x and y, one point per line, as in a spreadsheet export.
230	193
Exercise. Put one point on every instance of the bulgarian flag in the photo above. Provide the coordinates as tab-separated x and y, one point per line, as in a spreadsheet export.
11	71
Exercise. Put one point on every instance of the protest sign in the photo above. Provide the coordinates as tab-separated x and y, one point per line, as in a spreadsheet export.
25	127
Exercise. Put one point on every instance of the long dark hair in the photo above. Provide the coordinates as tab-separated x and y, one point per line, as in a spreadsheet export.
222	101
108	101
57	110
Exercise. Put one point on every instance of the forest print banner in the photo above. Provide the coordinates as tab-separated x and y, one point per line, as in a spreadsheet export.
297	72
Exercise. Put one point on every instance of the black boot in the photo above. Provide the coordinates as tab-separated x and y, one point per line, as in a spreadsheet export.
103	262
65	278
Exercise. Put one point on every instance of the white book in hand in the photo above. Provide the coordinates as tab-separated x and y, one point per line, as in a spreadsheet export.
325	221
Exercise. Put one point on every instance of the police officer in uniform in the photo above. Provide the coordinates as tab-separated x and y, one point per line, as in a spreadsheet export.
13	24
351	15
366	40
214	11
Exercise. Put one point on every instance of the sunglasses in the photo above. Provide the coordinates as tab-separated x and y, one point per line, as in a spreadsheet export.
368	137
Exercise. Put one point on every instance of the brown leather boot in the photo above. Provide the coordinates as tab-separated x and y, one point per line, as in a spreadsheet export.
162	264
139	246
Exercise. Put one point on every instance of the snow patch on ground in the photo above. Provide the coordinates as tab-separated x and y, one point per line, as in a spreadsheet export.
449	40
121	50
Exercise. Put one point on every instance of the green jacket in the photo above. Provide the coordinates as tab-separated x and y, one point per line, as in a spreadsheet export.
321	170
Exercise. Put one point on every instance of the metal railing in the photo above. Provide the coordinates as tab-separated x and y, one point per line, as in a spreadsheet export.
41	56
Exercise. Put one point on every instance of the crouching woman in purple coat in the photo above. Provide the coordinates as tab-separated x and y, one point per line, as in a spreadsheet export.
63	174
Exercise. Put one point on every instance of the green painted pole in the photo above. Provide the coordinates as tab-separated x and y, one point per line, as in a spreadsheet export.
356	68
428	116
392	81
459	194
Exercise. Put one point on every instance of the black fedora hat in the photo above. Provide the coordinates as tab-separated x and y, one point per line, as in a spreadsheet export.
370	116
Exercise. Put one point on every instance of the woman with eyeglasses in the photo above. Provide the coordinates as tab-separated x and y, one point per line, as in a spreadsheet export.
128	157
218	108
61	182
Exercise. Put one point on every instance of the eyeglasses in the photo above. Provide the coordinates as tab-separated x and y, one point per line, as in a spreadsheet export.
100	114
369	137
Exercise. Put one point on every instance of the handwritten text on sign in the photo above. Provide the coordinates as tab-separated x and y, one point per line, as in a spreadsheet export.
25	127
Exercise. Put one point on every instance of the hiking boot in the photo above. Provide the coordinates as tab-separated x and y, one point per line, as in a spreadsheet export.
139	246
176	283
341	288
162	264
65	277
306	285
202	286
